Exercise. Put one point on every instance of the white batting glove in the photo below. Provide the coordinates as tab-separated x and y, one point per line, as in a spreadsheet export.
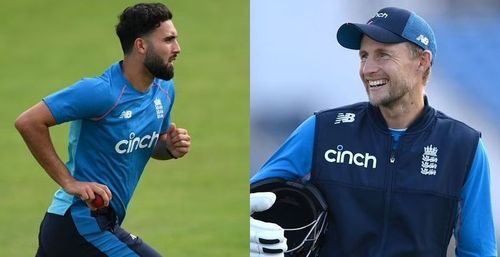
266	239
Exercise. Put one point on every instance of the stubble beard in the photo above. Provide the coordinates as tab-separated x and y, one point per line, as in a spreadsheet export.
392	98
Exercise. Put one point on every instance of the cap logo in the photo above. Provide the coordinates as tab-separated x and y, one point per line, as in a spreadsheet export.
381	15
423	39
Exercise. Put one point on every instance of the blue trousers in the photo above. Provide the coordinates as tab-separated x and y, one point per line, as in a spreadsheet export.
82	233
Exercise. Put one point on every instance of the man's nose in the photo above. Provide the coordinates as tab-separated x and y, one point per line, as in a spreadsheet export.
369	66
177	47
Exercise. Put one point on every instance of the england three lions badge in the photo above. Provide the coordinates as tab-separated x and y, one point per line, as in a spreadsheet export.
429	160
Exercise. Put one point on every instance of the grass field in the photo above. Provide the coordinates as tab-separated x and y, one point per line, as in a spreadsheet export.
195	206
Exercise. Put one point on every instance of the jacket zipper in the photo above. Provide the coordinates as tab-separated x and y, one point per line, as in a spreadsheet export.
387	207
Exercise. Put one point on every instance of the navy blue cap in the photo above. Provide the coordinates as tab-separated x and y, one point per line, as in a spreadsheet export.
390	25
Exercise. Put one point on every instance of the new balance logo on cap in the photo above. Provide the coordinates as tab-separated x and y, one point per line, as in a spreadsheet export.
423	39
345	117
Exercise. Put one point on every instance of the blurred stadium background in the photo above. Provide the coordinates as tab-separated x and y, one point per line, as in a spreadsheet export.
297	67
195	206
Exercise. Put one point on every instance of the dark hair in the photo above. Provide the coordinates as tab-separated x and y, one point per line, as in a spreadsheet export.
139	20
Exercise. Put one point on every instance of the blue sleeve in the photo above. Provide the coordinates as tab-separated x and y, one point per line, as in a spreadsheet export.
474	231
170	95
87	98
294	158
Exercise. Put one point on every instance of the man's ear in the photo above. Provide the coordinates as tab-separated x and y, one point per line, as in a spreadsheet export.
140	45
425	60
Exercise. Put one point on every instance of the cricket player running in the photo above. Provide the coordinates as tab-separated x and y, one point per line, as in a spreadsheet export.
399	176
118	121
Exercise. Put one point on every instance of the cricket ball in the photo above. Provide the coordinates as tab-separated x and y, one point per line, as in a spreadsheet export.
98	202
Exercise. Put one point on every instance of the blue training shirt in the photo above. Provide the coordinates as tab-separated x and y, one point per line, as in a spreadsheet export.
114	129
474	230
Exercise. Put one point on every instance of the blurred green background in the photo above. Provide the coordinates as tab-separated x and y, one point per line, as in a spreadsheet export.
195	206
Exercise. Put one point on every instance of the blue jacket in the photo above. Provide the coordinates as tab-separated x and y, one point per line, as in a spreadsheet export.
391	197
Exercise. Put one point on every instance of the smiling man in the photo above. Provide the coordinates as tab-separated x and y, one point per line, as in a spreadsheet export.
118	121
399	176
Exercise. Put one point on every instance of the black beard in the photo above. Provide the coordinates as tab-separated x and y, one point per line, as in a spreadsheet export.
155	65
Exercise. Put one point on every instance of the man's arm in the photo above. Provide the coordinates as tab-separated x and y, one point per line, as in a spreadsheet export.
293	160
174	144
33	125
474	231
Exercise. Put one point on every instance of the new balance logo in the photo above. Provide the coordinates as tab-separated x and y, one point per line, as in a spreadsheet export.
345	117
423	39
126	115
429	160
358	159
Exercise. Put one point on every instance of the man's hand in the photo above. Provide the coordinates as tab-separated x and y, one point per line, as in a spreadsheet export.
33	125
87	191
266	239
178	141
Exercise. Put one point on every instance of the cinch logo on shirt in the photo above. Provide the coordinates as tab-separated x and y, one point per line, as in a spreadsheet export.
358	159
134	143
